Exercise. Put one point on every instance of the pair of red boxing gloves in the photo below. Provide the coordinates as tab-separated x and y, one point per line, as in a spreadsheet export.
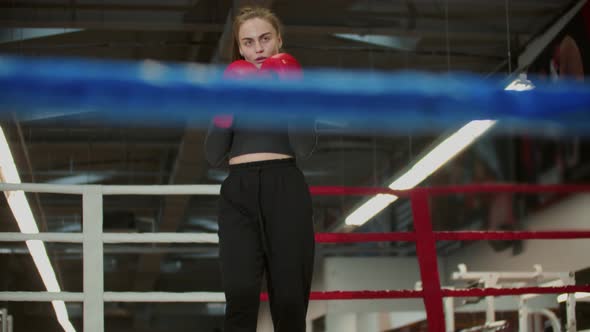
282	66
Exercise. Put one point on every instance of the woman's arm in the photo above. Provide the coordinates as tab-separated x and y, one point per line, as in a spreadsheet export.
303	136
219	139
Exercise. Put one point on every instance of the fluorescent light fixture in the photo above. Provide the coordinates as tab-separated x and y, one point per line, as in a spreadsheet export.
579	295
20	34
432	161
21	211
442	153
368	210
26	222
62	316
39	254
521	83
204	223
83	178
397	43
216	309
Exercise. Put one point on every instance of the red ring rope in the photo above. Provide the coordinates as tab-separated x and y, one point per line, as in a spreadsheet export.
425	239
413	294
445	190
452	236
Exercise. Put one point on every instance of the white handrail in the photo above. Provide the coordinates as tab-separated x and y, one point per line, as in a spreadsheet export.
42	188
41	296
164	297
181	189
46	237
160	238
93	239
115	296
211	238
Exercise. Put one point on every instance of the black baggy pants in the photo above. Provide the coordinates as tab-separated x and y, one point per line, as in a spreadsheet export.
265	224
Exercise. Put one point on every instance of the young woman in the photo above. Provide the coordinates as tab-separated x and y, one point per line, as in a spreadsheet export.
265	210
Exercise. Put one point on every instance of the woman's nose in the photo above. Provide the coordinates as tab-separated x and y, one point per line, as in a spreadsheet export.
259	47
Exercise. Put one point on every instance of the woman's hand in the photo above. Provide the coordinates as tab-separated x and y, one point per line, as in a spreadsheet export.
240	69
283	66
223	121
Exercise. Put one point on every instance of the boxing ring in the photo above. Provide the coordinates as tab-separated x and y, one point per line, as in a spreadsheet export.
153	89
93	240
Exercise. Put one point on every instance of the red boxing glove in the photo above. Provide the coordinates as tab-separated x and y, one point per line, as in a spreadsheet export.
240	69
283	65
223	121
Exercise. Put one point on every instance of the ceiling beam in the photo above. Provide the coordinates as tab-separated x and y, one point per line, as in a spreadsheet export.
536	46
94	6
290	29
384	7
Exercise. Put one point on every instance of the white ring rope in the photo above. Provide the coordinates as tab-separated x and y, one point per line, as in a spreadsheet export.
188	189
115	296
210	238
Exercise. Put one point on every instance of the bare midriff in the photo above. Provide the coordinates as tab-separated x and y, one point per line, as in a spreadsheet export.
261	156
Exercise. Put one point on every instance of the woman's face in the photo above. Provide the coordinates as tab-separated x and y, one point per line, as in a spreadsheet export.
258	40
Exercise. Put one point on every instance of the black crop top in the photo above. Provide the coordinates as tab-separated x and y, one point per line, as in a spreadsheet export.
295	140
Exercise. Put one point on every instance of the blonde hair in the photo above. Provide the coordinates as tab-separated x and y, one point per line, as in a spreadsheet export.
248	13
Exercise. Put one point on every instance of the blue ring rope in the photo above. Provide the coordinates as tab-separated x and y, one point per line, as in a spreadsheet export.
169	94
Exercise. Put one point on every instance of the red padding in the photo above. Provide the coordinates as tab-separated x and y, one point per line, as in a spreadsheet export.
360	295
451	236
364	237
341	191
427	259
479	292
445	190
514	235
509	188
410	294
